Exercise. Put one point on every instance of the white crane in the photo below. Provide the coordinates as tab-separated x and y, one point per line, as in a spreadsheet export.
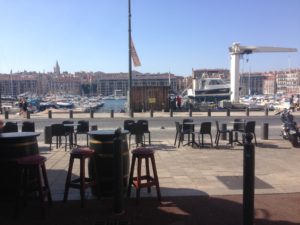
236	50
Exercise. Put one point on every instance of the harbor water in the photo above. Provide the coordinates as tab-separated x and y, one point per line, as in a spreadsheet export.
118	105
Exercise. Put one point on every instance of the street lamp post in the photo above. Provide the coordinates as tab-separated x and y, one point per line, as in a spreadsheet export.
129	62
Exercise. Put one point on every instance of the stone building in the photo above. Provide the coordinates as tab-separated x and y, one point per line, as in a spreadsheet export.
222	73
288	82
99	83
269	83
16	84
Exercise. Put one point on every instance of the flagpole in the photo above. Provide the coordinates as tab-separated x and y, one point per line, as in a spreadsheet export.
129	62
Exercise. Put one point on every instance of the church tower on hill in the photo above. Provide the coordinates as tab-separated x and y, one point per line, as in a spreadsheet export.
56	69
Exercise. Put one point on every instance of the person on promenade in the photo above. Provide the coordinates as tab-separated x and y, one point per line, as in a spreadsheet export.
178	100
1	126
292	107
20	106
25	106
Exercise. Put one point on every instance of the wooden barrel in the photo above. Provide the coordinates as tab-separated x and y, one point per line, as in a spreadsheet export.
101	165
12	146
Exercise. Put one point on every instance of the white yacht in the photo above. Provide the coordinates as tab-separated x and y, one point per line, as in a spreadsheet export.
209	89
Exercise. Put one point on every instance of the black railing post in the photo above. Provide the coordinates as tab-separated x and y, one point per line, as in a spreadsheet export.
50	114
228	112
248	183
71	114
171	112
27	114
190	110
112	113
208	112
6	114
91	113
118	173
131	113
247	111
265	131
266	111
151	112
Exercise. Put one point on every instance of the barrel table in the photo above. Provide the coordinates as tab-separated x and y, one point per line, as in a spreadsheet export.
101	165
12	146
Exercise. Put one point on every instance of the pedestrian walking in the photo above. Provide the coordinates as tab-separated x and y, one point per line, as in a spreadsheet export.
25	107
292	106
178	100
1	126
20	106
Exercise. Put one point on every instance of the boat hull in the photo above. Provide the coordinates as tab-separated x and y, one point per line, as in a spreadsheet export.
224	91
210	95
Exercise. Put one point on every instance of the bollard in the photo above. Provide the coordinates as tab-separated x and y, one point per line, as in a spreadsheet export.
208	112
228	112
47	135
248	181
112	113
247	111
49	114
266	111
71	114
190	110
6	114
171	112
265	131
224	127
151	112
94	127
143	107
118	173
131	113
27	114
162	107
91	113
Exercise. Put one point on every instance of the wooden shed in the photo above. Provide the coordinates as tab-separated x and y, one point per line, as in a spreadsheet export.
153	97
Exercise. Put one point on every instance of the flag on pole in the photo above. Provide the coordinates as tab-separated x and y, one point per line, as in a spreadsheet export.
134	56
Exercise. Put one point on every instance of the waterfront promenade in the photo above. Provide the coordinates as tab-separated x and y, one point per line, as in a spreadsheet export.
187	171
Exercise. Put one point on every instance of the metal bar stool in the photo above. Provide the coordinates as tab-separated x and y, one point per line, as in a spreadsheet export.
30	179
82	182
139	154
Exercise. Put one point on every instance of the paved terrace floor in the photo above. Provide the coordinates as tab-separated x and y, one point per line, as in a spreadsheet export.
188	171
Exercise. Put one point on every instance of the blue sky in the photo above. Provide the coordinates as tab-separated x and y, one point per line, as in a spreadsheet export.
169	35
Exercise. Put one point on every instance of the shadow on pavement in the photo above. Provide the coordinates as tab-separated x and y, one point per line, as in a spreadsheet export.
189	210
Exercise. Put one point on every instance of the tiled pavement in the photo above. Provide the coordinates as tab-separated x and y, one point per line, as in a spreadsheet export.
188	171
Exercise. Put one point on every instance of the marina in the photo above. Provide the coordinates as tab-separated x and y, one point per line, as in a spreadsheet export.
202	102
